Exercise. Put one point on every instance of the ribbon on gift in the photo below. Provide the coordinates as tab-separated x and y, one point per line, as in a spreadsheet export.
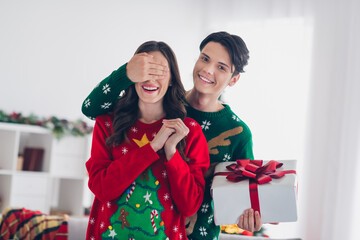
256	172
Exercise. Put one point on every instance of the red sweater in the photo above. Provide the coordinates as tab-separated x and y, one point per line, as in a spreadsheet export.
138	193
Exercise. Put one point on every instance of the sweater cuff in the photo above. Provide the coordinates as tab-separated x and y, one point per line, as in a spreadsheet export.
176	163
149	152
120	73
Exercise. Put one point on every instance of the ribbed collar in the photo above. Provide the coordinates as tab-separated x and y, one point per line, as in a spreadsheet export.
194	112
143	125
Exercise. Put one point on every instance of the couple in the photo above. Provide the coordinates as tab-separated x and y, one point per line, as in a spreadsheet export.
150	156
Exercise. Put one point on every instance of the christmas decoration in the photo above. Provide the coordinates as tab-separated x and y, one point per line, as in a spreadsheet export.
130	191
278	197
144	140
139	211
152	214
234	229
59	127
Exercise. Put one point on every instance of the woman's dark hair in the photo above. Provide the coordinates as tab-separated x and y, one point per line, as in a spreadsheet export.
126	111
236	47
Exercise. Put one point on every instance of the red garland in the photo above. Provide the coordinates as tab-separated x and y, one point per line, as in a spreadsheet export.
256	173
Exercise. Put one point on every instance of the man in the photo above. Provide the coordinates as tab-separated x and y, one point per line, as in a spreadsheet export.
222	59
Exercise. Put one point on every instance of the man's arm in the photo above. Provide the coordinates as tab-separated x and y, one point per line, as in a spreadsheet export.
103	97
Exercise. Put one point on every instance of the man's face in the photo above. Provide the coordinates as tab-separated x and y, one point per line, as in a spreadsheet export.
213	70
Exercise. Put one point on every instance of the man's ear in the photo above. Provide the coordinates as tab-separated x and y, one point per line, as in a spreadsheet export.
234	80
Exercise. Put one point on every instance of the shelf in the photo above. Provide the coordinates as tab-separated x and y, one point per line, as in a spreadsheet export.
61	182
30	173
6	172
24	128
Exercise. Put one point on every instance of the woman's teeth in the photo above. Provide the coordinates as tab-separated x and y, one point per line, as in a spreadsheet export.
150	88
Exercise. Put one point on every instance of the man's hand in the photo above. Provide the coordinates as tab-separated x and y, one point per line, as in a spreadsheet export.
143	67
246	221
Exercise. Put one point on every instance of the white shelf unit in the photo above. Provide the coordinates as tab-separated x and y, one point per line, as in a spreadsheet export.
62	182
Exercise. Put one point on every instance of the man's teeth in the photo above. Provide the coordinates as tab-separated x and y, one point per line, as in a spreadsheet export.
205	80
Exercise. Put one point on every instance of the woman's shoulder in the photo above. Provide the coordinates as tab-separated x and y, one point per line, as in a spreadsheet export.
194	127
105	119
191	123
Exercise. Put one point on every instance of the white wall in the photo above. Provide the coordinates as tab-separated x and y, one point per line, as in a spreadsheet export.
52	53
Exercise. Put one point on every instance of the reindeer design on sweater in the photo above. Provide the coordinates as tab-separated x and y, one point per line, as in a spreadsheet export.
222	140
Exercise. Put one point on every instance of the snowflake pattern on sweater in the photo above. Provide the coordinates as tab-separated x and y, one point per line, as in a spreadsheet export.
138	193
228	138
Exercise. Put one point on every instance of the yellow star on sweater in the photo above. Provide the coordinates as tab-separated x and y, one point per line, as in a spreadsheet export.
144	140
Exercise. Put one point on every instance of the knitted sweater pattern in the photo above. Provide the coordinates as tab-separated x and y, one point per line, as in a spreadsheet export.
227	136
228	139
138	193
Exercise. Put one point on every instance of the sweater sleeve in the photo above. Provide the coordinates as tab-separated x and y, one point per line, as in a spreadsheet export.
109	178
186	179
103	97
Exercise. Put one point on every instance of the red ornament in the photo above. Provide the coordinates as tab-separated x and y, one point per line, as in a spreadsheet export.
247	233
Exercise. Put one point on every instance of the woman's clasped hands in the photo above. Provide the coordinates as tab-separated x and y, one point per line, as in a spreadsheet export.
170	134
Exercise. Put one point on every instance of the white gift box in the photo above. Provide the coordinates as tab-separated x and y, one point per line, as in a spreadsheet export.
277	198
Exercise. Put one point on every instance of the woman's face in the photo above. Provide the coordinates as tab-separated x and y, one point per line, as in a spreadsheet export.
153	91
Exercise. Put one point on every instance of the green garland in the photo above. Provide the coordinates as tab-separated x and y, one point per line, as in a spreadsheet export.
59	127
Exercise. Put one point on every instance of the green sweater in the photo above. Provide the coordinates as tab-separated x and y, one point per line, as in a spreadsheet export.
228	138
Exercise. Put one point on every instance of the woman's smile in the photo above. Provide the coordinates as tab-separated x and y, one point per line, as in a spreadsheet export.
150	88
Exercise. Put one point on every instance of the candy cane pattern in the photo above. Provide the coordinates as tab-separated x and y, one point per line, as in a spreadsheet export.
152	214
130	192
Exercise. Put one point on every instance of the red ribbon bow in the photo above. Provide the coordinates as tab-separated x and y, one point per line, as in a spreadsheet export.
254	169
256	173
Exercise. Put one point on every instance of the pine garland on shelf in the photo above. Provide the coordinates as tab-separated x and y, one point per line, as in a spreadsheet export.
59	127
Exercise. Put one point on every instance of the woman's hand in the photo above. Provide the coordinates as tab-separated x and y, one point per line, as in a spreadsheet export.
246	221
180	130
161	137
143	67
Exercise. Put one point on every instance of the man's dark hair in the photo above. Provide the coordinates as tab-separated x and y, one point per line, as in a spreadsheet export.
236	47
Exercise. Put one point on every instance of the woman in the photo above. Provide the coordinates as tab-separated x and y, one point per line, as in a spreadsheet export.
147	161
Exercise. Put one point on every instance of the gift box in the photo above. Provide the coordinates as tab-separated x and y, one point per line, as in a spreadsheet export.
239	186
